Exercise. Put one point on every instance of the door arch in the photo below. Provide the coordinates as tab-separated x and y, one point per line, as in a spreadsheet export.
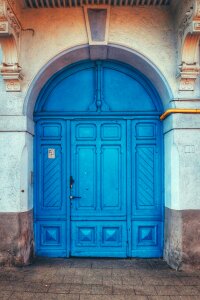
98	136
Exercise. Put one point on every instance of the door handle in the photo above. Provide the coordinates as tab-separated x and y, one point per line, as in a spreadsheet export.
74	197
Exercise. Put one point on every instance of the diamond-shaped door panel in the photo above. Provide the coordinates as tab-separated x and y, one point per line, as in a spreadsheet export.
99	238
86	236
111	236
146	241
50	235
147	235
51	238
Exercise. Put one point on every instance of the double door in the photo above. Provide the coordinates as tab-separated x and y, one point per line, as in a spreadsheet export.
99	188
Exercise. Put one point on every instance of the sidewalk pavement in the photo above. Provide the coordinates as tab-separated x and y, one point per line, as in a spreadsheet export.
98	279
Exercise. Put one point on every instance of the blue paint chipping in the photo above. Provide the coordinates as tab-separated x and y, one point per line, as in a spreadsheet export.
98	122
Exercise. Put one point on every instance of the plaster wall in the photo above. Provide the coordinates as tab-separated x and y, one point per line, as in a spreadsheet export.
16	156
182	166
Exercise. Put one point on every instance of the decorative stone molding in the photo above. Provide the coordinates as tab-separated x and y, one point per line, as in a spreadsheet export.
97	18
189	34
10	30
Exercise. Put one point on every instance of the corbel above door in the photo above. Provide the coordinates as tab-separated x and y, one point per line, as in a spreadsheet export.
189	37
10	30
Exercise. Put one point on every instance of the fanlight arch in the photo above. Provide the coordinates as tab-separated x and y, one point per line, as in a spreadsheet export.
98	87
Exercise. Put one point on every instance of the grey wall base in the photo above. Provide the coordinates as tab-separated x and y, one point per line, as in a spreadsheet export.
182	239
16	232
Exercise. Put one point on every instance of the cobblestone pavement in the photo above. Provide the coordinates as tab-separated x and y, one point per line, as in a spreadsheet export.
98	279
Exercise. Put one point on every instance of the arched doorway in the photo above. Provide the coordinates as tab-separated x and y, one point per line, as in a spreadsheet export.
98	137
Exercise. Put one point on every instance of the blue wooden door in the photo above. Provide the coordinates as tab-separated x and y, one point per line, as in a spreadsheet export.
146	193
50	211
98	218
98	137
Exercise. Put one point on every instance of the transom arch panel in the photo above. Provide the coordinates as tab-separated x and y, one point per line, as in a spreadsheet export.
98	86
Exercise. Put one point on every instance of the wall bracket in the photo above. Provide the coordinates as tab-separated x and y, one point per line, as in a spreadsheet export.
189	37
10	30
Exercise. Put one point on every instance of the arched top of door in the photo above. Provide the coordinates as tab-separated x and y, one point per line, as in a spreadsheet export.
98	87
119	64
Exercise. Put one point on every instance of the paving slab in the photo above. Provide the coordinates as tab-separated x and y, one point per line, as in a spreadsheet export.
98	279
80	289
5	295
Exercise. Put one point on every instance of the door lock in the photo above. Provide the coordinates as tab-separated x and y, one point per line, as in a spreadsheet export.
71	186
71	182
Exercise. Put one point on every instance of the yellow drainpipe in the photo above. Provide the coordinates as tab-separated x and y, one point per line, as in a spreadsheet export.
179	110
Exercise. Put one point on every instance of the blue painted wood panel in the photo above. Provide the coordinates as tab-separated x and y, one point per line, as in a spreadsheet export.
147	238
50	209
50	238
147	169
98	238
147	202
133	98
90	87
99	170
69	92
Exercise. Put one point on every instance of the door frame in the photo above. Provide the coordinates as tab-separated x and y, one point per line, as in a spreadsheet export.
68	119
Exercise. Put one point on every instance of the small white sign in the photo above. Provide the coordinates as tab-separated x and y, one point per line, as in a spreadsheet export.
51	153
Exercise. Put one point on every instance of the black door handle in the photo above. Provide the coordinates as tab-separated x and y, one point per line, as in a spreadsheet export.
74	197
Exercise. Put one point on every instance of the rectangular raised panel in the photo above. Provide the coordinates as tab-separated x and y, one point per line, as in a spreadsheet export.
147	238
85	177
145	131
147	170
51	131
51	177
111	132
99	238
145	179
111	177
86	132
